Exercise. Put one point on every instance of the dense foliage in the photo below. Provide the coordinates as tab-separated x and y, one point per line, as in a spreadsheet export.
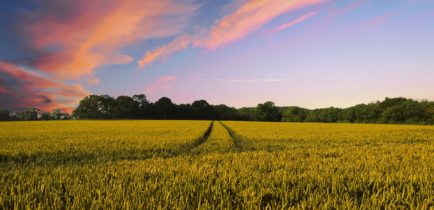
389	111
221	165
138	107
31	114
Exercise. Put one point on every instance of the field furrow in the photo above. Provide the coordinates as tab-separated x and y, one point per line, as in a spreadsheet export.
218	141
237	142
79	142
205	165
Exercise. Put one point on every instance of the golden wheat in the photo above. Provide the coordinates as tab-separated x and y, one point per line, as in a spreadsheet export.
234	165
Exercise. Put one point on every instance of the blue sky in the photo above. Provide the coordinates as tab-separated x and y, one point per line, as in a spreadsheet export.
315	53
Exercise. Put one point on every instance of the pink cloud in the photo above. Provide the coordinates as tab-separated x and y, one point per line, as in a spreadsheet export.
256	80
248	18
91	33
22	88
176	45
376	20
294	22
245	17
69	40
93	81
162	83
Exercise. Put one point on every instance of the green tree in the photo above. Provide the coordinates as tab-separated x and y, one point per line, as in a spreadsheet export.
164	109
183	111
294	114
429	113
4	115
58	114
201	110
106	106
223	112
29	114
327	115
391	102
95	107
144	106
347	115
404	111
367	113
267	112
45	116
247	113
125	108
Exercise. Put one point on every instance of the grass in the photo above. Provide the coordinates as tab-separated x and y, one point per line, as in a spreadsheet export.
204	165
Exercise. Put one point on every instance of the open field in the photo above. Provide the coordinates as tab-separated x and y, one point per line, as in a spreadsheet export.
203	164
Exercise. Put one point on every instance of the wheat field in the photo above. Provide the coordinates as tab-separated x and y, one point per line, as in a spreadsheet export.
215	165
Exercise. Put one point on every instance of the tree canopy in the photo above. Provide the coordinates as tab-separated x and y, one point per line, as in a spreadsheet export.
138	107
267	112
390	110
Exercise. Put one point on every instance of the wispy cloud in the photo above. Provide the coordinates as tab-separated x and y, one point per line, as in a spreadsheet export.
75	46
292	23
246	80
69	40
22	88
163	52
247	17
376	20
162	83
93	81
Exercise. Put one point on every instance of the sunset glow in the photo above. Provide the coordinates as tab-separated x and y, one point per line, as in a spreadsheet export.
311	53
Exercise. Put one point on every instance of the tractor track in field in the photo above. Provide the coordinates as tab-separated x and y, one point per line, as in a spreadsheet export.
237	144
82	158
202	139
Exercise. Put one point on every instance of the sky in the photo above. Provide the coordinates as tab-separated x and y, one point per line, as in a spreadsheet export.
309	53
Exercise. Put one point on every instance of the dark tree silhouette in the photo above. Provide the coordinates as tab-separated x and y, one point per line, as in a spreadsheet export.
201	110
30	114
223	112
294	114
391	110
125	107
95	107
143	104
4	115
163	109
267	112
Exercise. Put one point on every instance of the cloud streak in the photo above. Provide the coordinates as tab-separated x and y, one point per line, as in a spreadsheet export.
163	83
21	88
378	20
293	23
164	52
247	80
69	40
73	38
246	18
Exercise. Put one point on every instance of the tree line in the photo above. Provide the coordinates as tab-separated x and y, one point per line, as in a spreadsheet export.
139	107
33	114
390	110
